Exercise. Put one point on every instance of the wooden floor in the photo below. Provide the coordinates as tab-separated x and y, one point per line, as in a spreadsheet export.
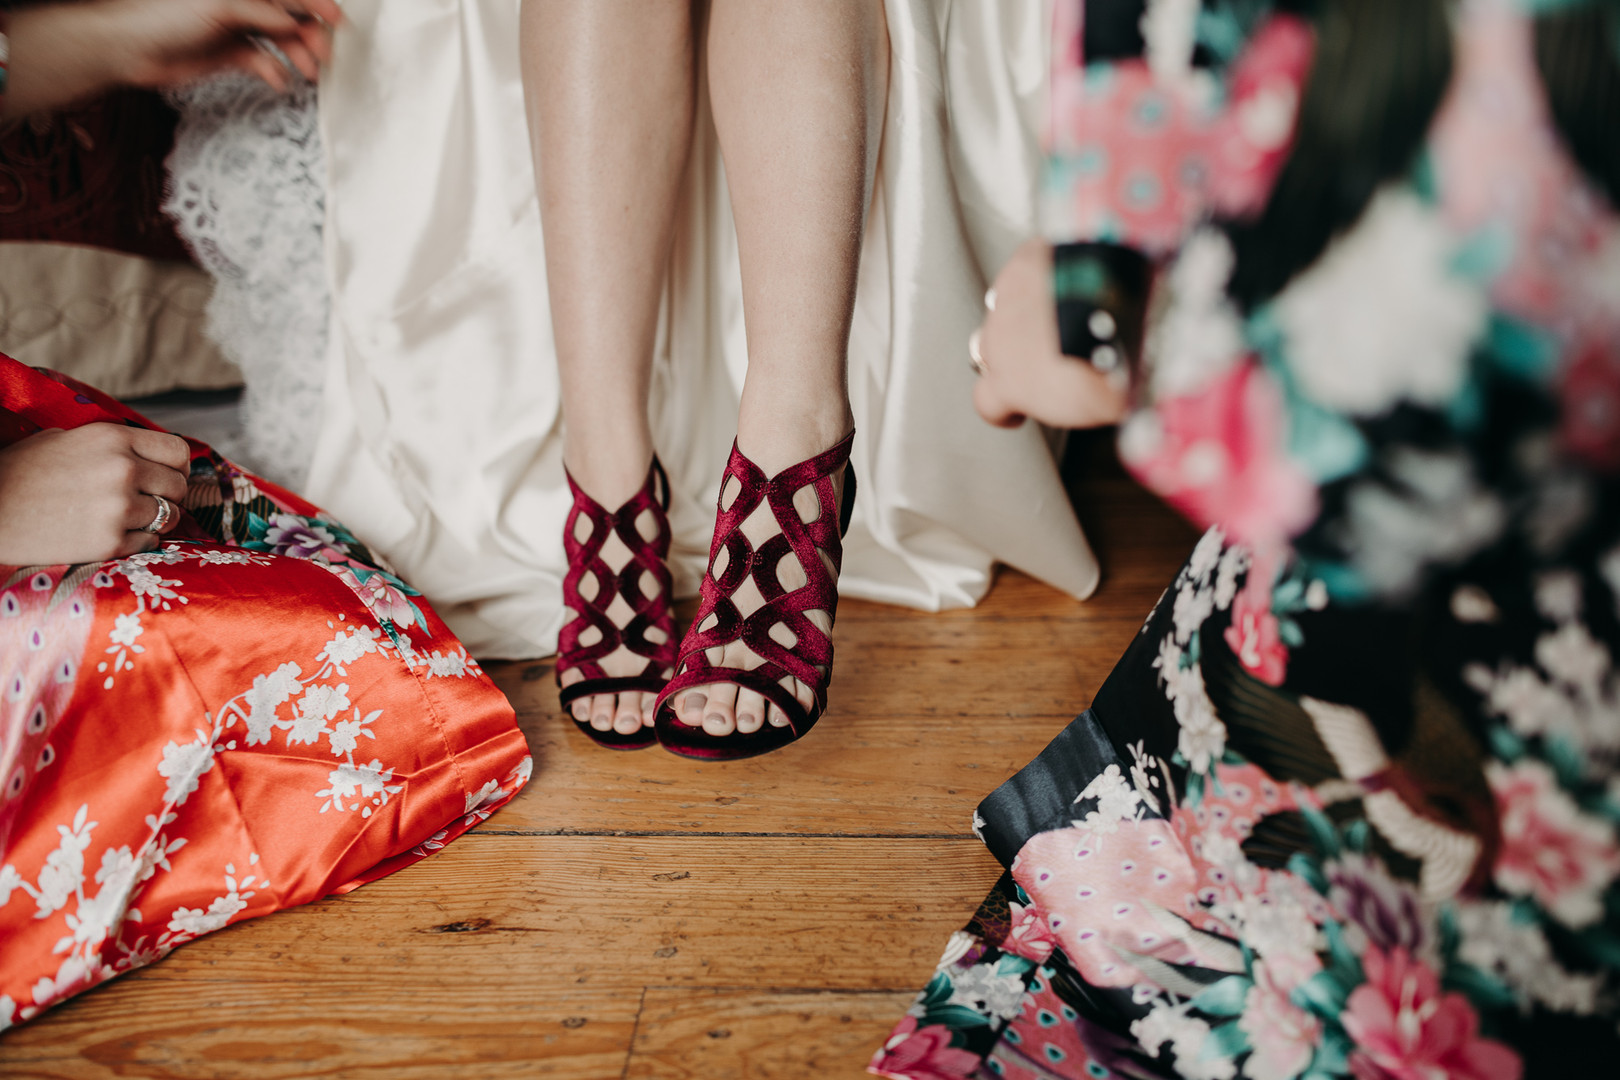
643	916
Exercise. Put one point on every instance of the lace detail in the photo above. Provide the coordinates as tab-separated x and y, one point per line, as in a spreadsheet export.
247	193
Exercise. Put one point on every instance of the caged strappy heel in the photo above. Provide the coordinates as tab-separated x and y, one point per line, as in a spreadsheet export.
817	545
650	611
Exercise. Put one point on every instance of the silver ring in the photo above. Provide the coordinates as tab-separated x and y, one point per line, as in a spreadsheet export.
975	357
165	511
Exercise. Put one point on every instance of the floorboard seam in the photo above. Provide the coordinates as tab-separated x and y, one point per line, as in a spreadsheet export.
630	1051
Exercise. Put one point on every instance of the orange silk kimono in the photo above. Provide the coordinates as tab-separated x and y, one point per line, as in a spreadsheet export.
252	716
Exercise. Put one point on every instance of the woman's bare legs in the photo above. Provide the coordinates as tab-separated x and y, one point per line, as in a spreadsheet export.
610	88
798	92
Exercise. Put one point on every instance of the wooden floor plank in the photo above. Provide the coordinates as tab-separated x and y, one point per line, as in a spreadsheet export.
627	907
542	944
761	1034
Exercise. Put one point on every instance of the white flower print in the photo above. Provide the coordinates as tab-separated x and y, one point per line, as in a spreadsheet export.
319	704
126	628
980	987
1234	560
1199	335
348	646
184	766
1517	952
1558	596
1186	1035
1193	606
269	692
1205	556
1572	655
227	557
957	947
1472	604
62	876
362	783
1117	801
454	665
8	1011
1381	317
10	881
346	734
145	583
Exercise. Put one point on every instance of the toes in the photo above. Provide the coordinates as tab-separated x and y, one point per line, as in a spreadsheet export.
719	715
648	701
602	712
692	708
750	710
778	717
581	708
627	717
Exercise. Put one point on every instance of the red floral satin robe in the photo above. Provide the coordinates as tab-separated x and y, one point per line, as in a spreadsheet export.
250	717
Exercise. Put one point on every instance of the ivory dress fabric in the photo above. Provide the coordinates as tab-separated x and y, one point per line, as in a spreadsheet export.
441	441
250	717
1349	805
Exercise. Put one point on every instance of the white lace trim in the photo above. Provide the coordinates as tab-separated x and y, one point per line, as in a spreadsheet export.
247	192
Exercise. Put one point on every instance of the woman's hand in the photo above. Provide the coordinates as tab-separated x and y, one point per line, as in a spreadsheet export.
87	494
66	52
1024	372
168	42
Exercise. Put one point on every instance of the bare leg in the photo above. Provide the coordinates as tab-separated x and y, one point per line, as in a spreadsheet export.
798	92
609	86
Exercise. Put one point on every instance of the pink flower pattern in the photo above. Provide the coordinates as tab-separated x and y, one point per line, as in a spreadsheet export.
1253	635
914	1053
1405	1028
1550	850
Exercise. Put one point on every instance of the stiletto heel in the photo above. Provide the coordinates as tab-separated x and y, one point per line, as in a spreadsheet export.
815	544
651	612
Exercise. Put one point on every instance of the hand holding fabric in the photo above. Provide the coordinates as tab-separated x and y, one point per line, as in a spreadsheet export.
63	53
87	494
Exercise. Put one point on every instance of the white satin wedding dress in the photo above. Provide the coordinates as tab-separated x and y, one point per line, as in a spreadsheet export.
440	439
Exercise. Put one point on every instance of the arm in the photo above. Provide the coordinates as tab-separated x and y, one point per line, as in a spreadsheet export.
66	52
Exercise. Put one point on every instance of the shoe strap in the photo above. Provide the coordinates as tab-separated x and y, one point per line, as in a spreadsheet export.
810	658
646	556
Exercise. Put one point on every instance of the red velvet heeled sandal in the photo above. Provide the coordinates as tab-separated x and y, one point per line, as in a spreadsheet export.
650	611
815	544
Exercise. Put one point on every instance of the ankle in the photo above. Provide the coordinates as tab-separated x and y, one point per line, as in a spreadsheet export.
610	473
776	434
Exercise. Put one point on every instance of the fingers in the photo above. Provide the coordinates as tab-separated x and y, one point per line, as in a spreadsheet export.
153	479
298	54
142	510
135	542
256	17
328	11
161	447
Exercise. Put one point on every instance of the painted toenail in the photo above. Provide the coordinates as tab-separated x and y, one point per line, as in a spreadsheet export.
715	718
